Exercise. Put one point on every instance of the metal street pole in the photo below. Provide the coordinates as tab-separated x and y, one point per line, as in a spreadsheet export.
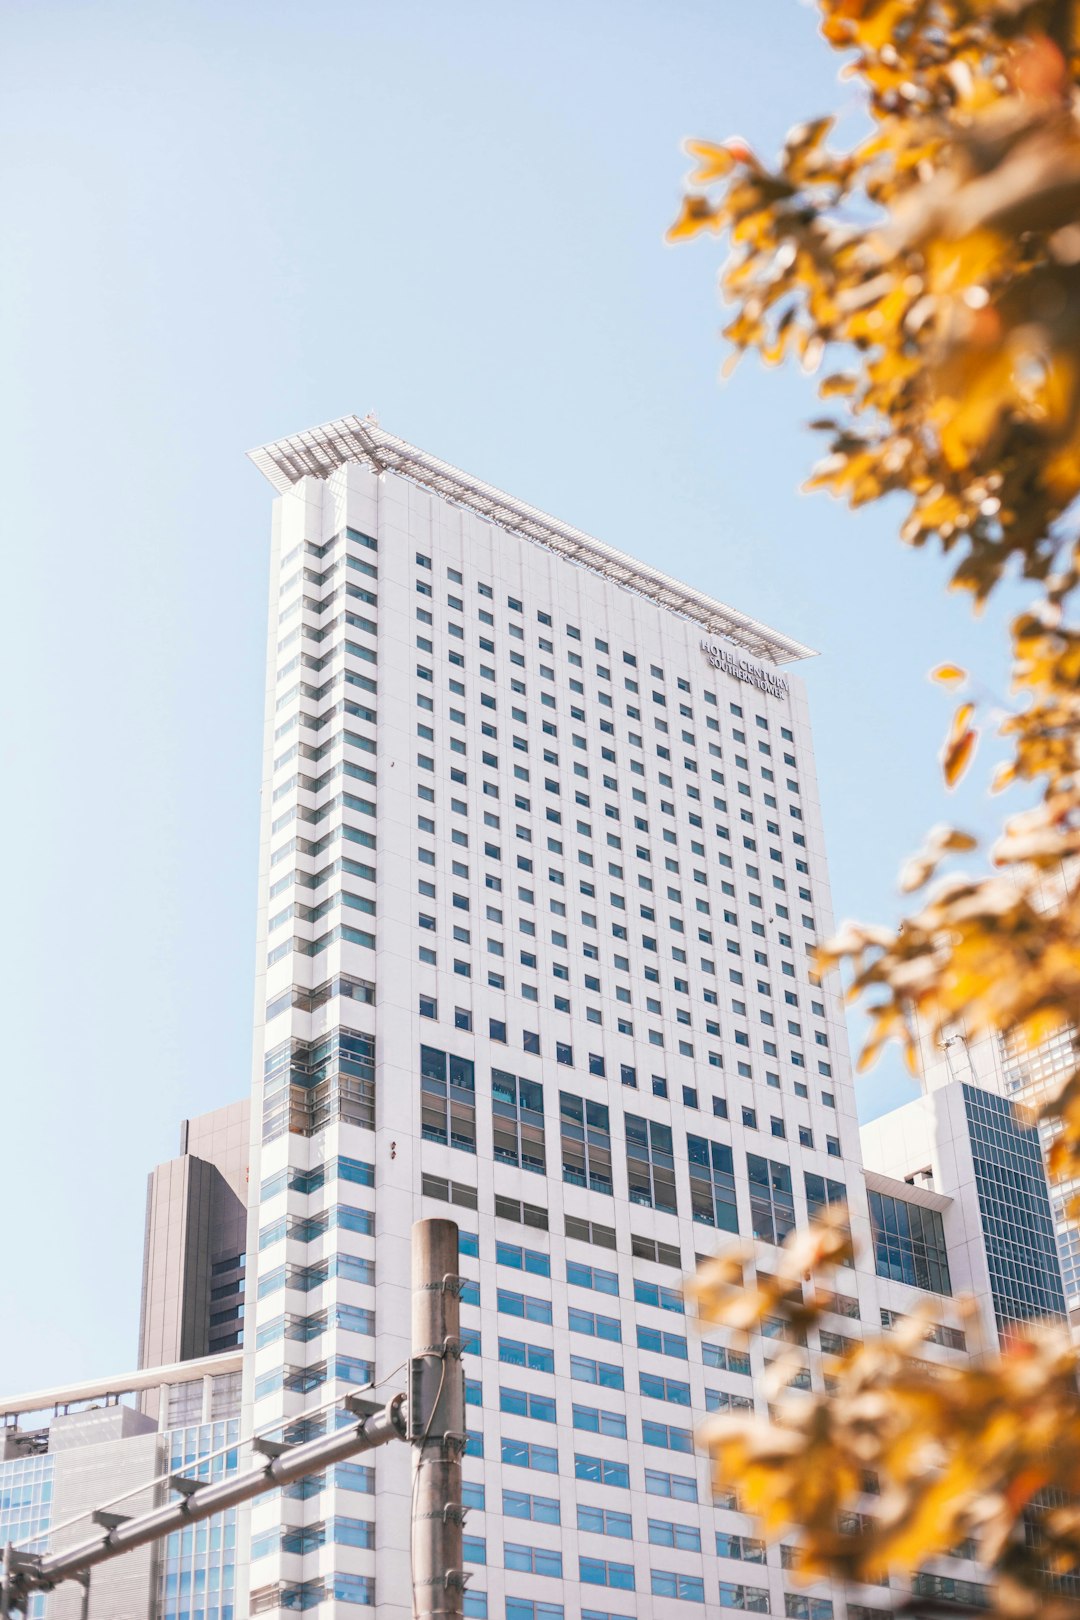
437	1422
433	1419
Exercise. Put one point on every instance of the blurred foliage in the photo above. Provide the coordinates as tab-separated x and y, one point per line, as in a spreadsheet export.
933	270
903	1458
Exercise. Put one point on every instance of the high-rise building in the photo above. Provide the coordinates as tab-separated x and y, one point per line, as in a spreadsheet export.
542	864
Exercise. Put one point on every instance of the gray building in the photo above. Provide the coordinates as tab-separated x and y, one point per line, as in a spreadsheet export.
196	1235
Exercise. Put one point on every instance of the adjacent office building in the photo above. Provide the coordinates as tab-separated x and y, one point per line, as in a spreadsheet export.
969	1149
1025	1075
196	1237
542	865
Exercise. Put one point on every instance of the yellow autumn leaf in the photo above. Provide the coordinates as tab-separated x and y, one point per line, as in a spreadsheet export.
715	162
695	216
948	674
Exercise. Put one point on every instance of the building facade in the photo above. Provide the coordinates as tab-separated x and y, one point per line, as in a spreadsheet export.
542	866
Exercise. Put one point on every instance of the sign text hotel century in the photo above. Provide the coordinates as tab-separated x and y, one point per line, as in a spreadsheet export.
743	670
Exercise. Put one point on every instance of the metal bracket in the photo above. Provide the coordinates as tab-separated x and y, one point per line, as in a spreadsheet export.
454	1444
186	1486
269	1448
362	1406
450	1284
455	1580
13	1596
448	1347
24	1561
107	1519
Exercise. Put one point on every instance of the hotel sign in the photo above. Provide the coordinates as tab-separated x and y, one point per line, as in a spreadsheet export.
743	670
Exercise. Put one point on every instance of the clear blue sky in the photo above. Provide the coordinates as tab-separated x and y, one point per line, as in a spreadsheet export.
224	223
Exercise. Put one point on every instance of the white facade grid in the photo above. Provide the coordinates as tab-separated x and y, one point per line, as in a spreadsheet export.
514	815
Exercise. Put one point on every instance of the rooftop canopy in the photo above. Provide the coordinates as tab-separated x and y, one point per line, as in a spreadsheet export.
319	451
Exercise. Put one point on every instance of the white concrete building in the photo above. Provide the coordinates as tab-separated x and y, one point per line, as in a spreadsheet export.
542	862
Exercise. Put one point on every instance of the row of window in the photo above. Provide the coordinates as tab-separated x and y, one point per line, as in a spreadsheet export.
448	1116
658	1085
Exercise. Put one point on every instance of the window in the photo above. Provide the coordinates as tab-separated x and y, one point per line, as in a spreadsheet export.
712	1183
580	1275
590	1232
602	1572
747	1548
909	1243
521	1505
597	1325
665	1254
522	1259
667	1584
429	1007
526	1454
650	1163
607	1374
605	1522
664	1534
751	1599
585	1133
447	1099
516	1353
523	1403
670	1436
665	1299
517	1107
663	1344
532	1609
596	1421
529	1306
665	1389
772	1206
451	1192
532	1560
680	1487
797	1606
602	1471
821	1193
525	1214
